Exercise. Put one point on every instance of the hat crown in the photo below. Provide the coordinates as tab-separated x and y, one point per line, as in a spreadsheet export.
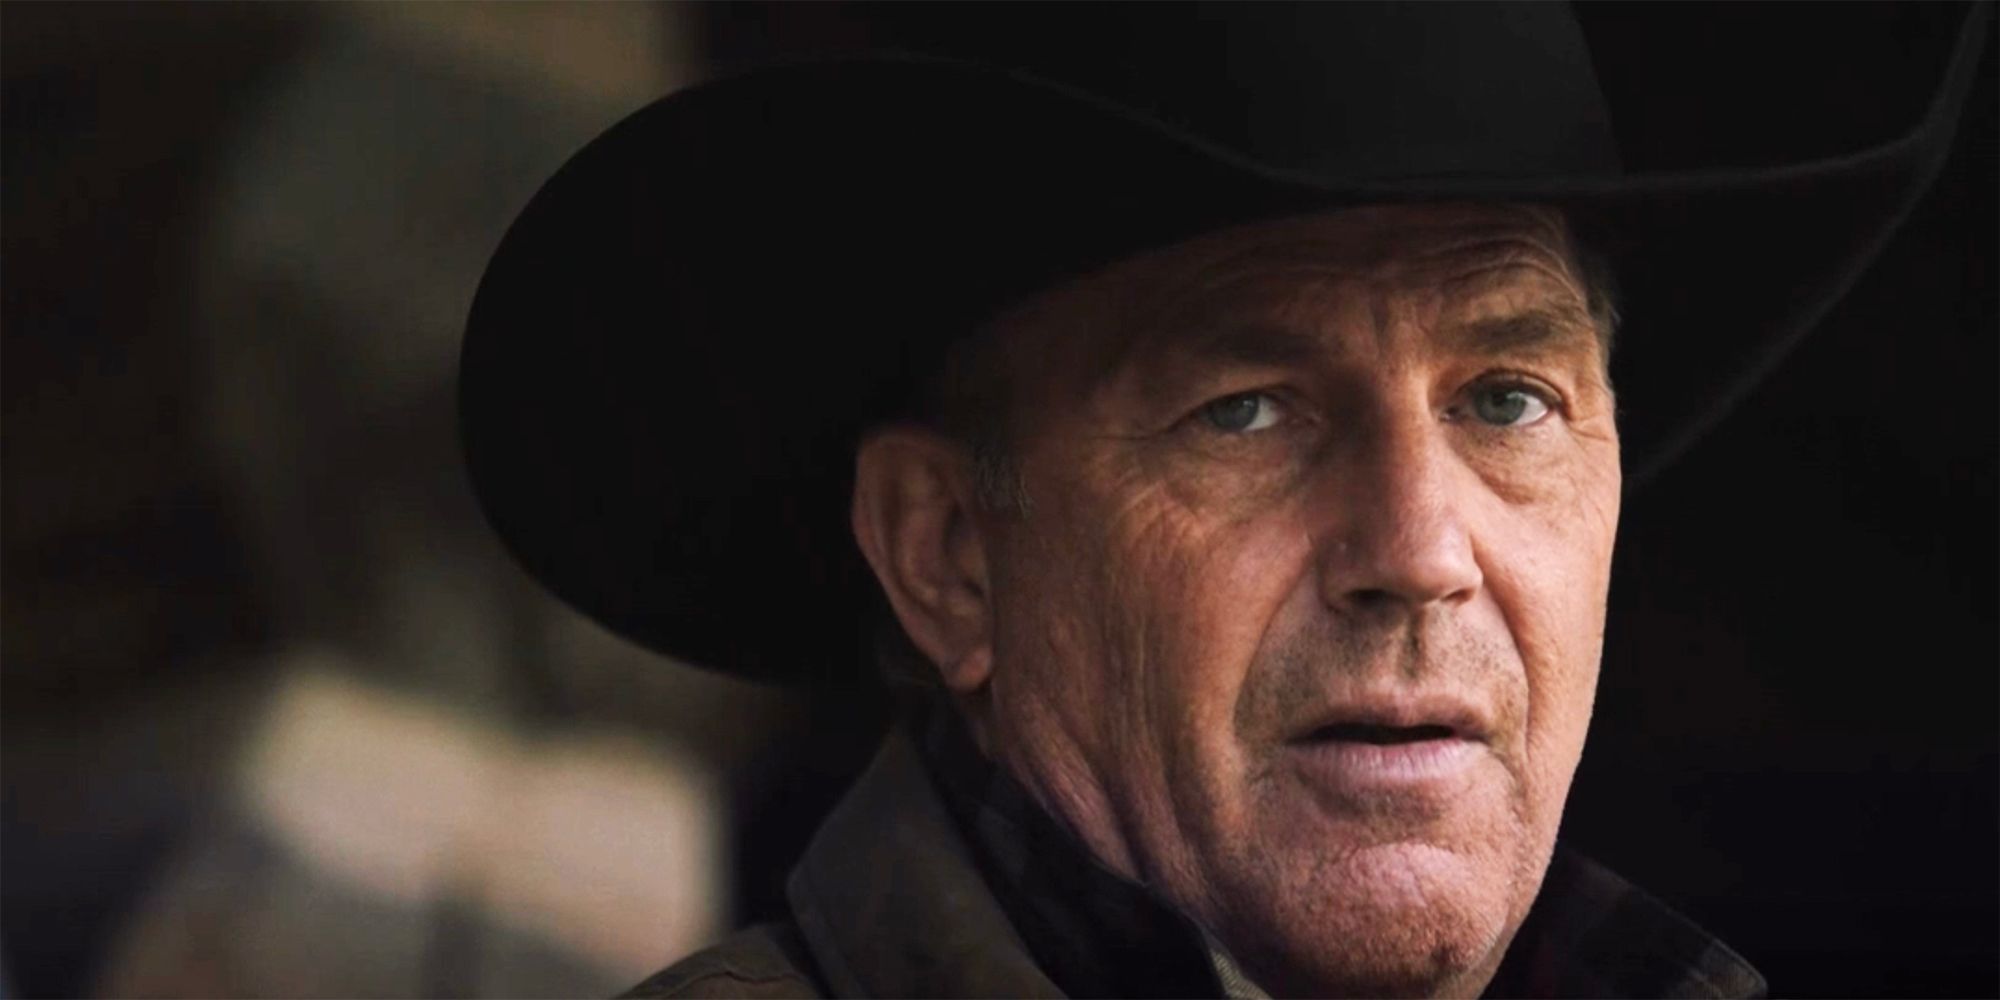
1336	91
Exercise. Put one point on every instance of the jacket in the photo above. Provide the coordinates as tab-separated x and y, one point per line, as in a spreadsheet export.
891	900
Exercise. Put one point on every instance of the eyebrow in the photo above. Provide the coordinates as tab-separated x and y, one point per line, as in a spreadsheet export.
1247	343
1537	329
1271	345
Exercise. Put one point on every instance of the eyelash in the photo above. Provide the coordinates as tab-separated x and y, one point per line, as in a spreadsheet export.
1288	409
1287	412
1516	382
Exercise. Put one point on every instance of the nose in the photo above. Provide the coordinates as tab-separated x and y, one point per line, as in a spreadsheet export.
1395	533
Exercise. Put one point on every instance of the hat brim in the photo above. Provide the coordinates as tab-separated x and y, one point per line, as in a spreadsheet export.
677	344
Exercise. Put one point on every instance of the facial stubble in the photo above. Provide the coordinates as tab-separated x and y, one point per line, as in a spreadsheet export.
1359	913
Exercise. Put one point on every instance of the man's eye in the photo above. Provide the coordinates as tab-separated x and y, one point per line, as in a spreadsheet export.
1508	405
1242	413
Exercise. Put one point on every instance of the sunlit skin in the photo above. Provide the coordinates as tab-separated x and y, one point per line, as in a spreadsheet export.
1279	478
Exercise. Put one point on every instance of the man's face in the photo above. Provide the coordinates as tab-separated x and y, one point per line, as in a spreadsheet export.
1302	627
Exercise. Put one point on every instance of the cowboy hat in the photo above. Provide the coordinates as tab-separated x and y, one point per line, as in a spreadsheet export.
678	342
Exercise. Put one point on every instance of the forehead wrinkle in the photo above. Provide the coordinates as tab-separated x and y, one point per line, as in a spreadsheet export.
1506	306
1532	330
1295	316
1454	314
1253	342
1229	315
1369	236
1287	283
1487	260
1293	274
1514	286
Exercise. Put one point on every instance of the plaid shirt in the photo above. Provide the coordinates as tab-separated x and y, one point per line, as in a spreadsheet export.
1095	933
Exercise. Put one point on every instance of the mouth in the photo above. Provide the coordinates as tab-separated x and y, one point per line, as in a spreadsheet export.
1378	734
1382	719
1427	748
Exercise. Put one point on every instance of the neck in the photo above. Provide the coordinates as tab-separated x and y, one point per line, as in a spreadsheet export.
1058	776
1095	929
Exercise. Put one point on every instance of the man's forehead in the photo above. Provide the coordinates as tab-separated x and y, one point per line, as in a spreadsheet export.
1477	277
1382	240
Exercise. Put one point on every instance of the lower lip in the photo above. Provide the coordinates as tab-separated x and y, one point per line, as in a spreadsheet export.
1417	766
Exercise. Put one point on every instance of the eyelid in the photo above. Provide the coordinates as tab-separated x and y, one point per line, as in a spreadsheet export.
1285	401
1507	378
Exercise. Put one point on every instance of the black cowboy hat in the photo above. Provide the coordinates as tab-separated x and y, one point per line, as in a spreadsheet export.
674	349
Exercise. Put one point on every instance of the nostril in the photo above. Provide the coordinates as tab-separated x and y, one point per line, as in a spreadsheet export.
1370	597
1383	600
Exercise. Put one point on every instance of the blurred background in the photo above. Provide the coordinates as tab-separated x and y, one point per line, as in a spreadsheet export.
280	718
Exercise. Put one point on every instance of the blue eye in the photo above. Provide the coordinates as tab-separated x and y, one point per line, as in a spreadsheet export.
1508	405
1243	413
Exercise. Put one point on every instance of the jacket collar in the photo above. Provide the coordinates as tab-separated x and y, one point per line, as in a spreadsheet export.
892	901
1093	931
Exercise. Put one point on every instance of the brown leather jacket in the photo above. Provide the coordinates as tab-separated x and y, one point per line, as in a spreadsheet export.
887	902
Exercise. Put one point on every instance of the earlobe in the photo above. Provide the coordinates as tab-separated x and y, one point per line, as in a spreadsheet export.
914	519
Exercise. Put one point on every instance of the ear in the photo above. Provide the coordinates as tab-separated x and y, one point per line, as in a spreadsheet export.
914	518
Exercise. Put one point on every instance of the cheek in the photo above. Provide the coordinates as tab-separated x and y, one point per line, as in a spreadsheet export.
1549	571
1245	576
1170	600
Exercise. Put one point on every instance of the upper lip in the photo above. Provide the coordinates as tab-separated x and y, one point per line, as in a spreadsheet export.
1401	710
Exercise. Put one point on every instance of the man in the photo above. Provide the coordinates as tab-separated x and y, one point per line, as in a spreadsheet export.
1296	617
1238	456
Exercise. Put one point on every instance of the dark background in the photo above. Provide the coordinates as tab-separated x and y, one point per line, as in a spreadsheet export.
1795	738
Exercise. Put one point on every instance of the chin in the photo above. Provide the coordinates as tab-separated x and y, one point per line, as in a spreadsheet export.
1395	919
